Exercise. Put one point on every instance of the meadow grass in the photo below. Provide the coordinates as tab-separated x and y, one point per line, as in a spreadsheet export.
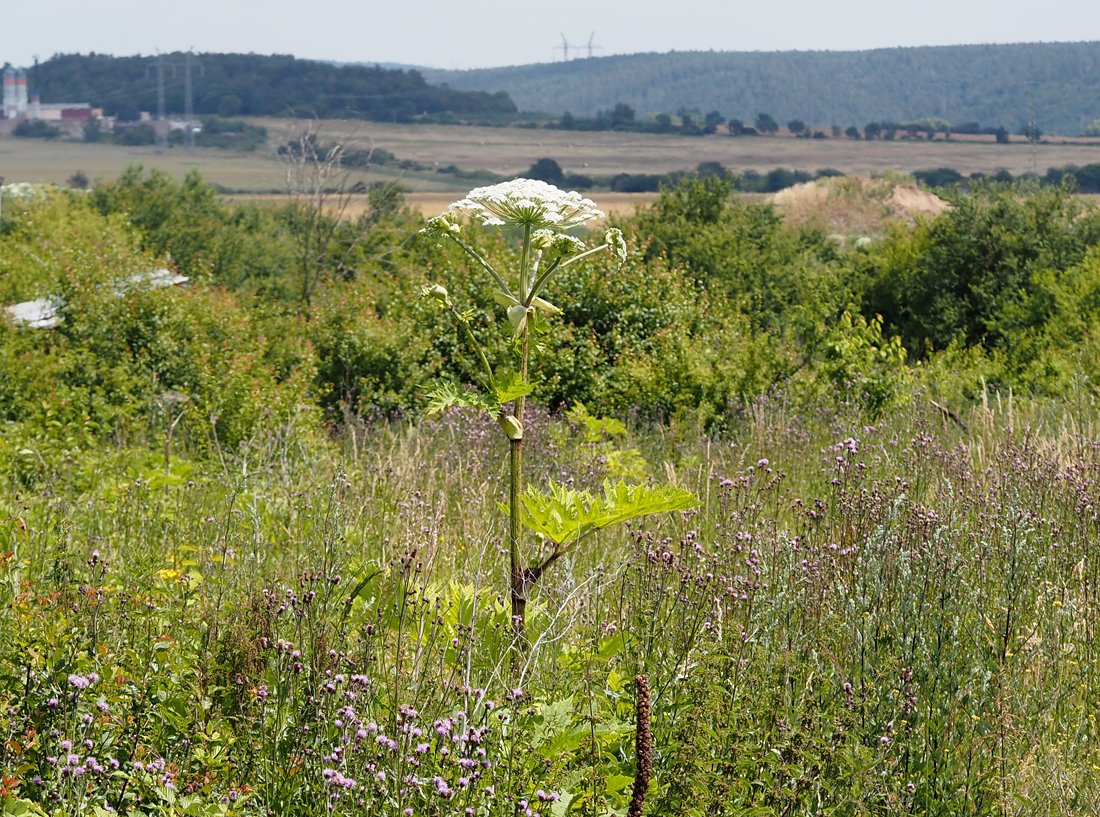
897	617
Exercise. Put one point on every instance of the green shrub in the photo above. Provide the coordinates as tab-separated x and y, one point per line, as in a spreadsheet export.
970	275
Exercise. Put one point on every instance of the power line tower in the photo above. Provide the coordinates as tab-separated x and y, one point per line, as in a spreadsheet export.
189	97
591	47
564	48
1032	130
162	133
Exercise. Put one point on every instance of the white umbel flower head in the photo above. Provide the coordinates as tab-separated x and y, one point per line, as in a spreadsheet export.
527	203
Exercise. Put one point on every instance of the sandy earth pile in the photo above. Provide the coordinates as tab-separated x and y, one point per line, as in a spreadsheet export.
856	205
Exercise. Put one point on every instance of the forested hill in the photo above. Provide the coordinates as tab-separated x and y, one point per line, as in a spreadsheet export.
251	84
1056	83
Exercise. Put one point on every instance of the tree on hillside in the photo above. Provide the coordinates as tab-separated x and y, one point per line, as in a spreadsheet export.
546	170
689	120
622	114
797	127
712	168
712	121
766	124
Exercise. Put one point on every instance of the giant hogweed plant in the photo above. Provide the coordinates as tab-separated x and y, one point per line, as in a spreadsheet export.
561	517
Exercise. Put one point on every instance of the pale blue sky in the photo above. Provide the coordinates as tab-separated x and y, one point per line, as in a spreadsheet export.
479	33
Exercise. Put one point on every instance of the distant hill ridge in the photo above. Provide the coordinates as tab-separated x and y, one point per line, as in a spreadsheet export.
257	85
1055	84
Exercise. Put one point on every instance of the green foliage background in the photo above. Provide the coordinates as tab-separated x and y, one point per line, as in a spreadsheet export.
718	305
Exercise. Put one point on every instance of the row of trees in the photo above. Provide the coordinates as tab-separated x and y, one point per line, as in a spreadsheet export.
1084	179
692	122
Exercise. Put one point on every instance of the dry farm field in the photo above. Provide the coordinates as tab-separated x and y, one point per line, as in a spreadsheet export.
510	151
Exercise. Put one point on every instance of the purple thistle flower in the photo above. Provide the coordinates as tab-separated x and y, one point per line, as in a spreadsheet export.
441	787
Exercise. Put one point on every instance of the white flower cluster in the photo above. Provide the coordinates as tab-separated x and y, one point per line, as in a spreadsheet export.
527	202
24	190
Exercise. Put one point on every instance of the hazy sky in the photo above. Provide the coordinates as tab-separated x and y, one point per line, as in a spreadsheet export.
479	33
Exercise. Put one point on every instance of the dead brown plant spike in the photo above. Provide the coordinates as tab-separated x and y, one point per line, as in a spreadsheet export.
643	746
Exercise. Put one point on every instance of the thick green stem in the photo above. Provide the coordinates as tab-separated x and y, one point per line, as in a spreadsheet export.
524	259
517	582
517	573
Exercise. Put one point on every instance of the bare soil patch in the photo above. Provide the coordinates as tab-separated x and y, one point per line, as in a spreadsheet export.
856	205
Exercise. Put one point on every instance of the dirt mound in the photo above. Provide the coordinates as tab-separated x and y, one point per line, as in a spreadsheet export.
907	200
855	205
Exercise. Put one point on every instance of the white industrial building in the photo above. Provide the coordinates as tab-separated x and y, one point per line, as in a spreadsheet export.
19	104
15	93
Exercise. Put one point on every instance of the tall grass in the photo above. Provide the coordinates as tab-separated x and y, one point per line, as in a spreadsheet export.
897	618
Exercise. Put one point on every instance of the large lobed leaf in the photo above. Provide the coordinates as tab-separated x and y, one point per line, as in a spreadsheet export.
447	394
564	515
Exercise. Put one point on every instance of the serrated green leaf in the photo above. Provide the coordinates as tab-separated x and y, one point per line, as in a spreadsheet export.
557	719
447	394
511	387
564	515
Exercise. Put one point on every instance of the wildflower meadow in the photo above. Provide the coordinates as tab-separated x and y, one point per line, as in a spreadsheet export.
524	513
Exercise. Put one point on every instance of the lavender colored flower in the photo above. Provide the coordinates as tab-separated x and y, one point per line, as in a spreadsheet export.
441	787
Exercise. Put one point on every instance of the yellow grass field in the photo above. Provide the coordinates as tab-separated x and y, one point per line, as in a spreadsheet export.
510	151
